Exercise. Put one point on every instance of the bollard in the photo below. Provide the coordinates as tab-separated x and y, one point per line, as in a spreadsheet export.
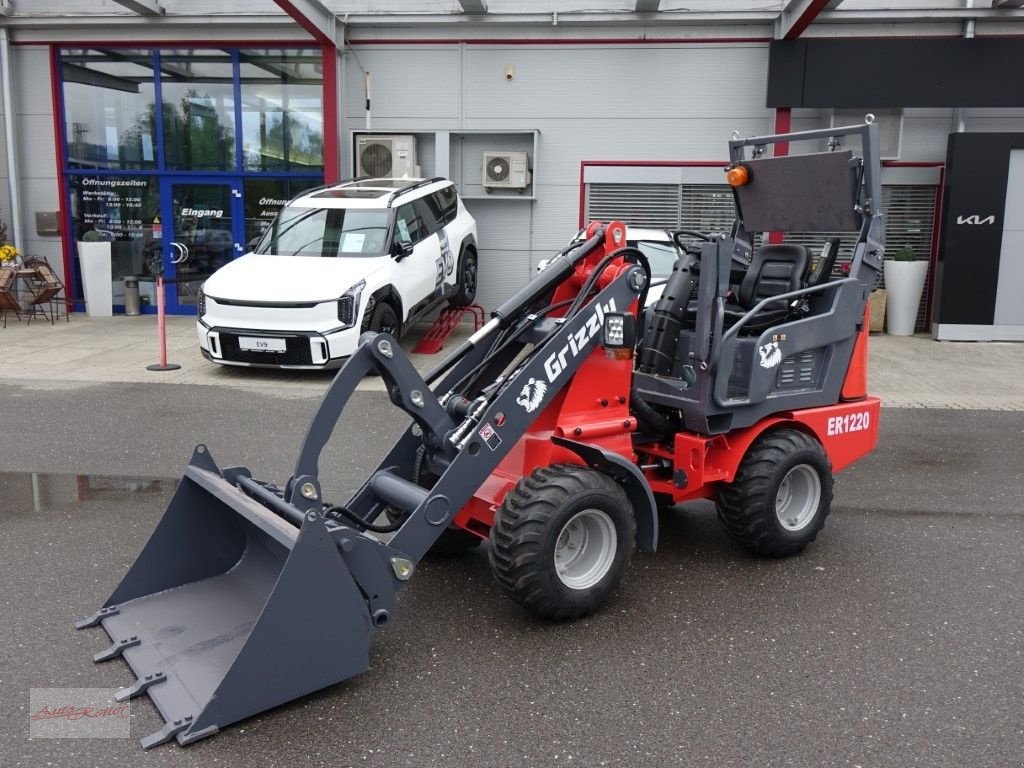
161	329
131	295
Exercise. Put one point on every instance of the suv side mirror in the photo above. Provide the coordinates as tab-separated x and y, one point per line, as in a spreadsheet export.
400	249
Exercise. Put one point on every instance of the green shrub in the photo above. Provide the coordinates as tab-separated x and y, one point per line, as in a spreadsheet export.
906	253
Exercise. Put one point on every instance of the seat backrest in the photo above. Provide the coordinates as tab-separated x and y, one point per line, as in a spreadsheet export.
774	269
7	299
826	262
44	272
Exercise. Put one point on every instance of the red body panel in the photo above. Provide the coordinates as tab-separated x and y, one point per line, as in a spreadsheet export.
594	408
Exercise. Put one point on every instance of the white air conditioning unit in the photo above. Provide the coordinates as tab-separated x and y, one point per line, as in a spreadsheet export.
506	170
386	156
890	127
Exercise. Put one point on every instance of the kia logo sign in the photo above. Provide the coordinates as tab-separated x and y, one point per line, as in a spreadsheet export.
976	219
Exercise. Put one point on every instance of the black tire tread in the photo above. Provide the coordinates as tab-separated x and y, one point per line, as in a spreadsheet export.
742	504
460	298
519	526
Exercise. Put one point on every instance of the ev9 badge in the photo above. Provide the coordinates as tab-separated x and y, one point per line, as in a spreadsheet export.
532	394
770	353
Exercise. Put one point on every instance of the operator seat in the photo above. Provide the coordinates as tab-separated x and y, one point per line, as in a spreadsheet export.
773	269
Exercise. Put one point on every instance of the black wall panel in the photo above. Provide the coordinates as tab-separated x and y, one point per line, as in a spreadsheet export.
967	273
887	72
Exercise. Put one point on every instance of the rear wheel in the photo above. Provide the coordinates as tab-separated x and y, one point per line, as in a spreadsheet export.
781	495
561	540
466	292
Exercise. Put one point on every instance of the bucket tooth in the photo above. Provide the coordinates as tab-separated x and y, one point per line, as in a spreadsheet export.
165	734
117	649
96	618
140	687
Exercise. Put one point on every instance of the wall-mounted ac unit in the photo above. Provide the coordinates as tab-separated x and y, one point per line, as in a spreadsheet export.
506	170
890	127
386	156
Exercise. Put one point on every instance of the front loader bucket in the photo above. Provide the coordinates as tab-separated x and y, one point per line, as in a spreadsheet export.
230	610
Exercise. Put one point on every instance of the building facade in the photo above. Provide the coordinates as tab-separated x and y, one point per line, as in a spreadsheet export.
175	132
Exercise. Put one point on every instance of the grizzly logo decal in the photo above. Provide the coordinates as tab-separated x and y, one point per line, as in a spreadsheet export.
771	355
532	394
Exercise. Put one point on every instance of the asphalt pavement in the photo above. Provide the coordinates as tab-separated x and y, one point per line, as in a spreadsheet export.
896	639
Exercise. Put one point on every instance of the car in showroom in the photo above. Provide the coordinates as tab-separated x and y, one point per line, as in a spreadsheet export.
362	255
658	245
662	247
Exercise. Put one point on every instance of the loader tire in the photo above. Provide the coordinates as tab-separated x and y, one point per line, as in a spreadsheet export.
561	540
781	495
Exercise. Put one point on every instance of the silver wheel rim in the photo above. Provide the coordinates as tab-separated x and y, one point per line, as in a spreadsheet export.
797	499
585	549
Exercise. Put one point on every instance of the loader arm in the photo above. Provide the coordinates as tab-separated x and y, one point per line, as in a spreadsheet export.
225	580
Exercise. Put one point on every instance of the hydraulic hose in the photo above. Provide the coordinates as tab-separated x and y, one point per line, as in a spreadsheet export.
554	274
658	354
346	515
650	416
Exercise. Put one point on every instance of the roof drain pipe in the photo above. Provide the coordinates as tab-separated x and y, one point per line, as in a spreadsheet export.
13	176
366	75
960	114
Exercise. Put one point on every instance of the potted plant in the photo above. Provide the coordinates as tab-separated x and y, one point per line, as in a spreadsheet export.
904	281
94	258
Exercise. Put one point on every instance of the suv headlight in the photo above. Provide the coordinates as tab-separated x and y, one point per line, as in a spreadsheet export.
201	301
348	304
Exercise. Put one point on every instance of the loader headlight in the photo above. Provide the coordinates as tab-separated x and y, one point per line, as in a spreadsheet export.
348	304
619	332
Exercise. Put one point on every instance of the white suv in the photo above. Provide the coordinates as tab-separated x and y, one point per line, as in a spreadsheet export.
369	254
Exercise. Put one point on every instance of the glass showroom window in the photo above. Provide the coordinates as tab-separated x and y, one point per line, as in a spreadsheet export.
109	109
264	197
198	106
120	210
282	111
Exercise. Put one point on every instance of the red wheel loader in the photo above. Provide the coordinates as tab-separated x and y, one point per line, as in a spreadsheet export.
555	432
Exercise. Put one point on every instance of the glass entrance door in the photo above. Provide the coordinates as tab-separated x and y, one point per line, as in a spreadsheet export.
203	232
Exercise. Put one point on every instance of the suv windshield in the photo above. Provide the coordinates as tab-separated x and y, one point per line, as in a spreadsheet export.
326	232
661	255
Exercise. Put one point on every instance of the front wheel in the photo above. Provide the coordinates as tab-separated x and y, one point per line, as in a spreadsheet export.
781	495
382	319
466	291
561	540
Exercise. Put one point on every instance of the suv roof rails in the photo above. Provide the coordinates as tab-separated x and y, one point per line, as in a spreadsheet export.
414	185
322	187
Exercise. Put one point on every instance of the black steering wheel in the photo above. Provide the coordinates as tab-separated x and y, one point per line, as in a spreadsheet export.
683	237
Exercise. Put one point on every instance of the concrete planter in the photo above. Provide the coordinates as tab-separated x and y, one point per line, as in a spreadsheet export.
94	259
904	282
